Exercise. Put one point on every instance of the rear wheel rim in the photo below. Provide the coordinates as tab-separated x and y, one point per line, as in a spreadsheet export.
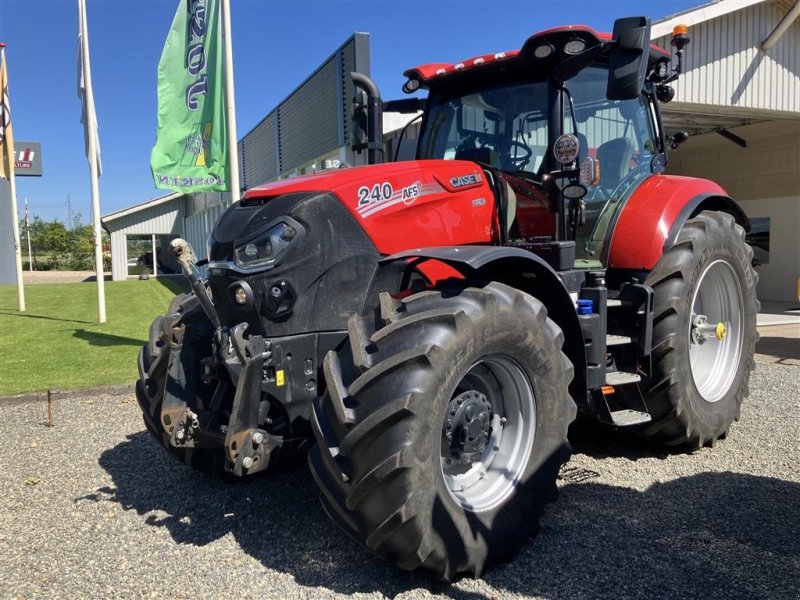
716	331
487	478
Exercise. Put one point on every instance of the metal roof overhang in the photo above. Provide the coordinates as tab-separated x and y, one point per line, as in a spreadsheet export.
699	118
705	118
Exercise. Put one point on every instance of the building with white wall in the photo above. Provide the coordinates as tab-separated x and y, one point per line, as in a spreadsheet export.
740	101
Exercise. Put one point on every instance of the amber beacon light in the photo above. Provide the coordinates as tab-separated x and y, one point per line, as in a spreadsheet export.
680	37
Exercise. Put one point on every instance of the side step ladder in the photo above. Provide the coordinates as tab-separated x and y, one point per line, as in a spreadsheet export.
624	417
638	300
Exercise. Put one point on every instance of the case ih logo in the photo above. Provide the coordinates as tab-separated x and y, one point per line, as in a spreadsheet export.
27	158
23	159
465	180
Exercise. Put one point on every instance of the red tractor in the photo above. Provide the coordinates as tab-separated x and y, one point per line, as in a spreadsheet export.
426	331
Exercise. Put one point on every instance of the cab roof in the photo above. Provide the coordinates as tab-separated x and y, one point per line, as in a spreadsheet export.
533	50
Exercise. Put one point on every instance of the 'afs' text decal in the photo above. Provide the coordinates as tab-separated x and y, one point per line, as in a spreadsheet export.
373	199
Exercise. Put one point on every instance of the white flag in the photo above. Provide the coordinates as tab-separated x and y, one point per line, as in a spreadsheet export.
87	101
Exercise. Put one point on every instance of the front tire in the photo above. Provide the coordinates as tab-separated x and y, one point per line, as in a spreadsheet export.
482	365
184	311
704	333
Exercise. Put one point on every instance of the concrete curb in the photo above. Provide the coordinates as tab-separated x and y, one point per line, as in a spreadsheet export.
108	390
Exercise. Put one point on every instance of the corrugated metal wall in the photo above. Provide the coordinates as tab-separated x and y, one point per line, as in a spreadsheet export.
727	68
162	219
313	121
197	228
202	201
260	154
311	108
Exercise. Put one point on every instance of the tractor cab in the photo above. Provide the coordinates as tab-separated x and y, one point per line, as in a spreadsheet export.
566	128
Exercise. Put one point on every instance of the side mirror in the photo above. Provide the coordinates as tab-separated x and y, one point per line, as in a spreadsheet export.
628	59
677	139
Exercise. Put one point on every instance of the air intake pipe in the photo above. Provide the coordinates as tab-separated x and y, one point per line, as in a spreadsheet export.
374	120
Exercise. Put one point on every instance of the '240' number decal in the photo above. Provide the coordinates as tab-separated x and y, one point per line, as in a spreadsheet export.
377	193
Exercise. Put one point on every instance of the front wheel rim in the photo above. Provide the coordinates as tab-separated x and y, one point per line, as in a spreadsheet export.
716	330
485	478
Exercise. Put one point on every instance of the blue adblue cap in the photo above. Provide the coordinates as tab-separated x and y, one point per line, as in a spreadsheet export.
585	307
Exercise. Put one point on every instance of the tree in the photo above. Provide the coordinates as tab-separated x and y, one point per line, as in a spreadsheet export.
57	248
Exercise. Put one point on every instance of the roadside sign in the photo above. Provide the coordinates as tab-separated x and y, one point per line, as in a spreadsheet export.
27	159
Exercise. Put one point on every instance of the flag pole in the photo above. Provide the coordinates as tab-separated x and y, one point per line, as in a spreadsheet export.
28	235
91	124
230	106
12	181
12	184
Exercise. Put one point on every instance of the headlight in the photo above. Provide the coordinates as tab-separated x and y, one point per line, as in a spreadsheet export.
265	249
575	46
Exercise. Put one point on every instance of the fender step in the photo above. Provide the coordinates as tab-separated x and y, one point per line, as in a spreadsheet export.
621	378
627	417
617	340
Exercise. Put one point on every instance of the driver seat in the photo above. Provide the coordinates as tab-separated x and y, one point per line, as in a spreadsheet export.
615	161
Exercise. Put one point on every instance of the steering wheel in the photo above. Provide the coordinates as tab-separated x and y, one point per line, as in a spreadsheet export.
516	161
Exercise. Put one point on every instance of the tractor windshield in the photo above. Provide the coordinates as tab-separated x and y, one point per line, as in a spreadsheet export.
502	126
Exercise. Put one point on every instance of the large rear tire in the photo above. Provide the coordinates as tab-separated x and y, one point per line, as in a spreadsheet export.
704	333
444	426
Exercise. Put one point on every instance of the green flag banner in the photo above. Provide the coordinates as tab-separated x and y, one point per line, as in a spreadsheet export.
191	152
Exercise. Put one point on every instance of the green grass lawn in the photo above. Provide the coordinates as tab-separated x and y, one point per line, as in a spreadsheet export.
57	342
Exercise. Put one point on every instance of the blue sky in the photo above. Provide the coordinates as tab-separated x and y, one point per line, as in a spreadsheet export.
276	44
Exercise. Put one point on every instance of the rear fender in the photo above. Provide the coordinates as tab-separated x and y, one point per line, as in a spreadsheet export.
524	271
655	213
706	202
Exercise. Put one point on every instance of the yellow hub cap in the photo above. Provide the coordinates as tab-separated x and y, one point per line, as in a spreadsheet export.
720	331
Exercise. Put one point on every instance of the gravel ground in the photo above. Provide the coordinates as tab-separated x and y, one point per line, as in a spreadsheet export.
93	508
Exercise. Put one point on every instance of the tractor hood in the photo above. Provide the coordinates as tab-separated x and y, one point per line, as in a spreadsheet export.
302	255
422	203
331	180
